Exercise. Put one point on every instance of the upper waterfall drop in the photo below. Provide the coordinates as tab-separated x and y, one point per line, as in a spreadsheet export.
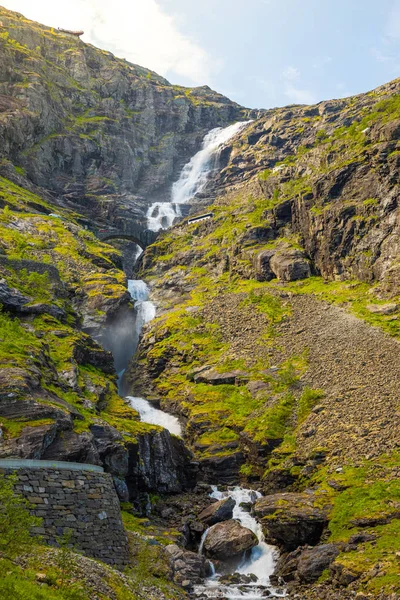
193	177
196	172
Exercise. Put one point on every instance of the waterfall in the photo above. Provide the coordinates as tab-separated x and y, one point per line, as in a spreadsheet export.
145	311
193	178
154	416
260	563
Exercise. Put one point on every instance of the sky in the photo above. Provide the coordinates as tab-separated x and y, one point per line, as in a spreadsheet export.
260	53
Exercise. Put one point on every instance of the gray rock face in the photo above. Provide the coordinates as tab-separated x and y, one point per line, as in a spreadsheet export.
291	519
108	129
228	539
290	264
218	511
305	565
161	463
187	568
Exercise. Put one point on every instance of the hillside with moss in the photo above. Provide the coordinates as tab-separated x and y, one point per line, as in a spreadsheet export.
277	339
97	132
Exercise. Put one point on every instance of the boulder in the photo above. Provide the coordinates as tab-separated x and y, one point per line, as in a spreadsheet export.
305	565
214	378
217	512
290	520
228	539
383	309
187	568
262	265
313	561
290	264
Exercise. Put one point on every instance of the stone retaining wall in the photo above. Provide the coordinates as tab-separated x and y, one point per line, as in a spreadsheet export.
83	502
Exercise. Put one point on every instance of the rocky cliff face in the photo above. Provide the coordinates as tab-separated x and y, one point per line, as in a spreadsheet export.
278	335
81	130
97	132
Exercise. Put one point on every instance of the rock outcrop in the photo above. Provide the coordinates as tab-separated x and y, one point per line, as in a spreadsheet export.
291	520
228	540
98	132
218	511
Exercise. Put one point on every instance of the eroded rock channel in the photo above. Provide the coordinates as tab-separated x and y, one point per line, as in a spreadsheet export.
225	554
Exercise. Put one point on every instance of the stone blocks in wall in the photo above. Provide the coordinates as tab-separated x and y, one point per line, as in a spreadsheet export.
82	502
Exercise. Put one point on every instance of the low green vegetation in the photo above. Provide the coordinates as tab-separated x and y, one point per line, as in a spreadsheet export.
365	500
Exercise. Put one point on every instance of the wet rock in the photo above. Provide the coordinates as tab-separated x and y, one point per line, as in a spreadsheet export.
217	512
187	568
238	579
291	519
306	565
228	539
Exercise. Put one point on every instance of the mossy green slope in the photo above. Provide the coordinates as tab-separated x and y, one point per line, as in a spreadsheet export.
321	181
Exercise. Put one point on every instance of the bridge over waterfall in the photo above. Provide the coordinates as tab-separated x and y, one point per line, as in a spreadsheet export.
133	231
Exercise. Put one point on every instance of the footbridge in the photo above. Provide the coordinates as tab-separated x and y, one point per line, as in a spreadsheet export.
135	232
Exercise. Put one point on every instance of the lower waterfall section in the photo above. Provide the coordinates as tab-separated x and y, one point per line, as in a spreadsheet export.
250	579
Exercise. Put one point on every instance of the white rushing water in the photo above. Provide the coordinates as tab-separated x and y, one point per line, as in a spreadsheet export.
145	312
260	563
154	416
144	308
193	178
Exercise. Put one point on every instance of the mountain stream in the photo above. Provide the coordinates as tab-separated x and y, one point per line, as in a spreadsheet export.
255	568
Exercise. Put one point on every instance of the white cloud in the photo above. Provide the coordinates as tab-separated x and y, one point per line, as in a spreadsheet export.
138	30
295	94
393	22
299	96
291	73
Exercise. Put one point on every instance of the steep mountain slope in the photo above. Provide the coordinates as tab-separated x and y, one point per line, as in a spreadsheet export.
277	340
98	132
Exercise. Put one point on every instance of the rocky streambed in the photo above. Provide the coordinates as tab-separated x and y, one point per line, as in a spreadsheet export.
229	556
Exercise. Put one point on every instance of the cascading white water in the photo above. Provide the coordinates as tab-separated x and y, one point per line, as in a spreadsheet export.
196	172
154	416
144	308
161	215
260	563
193	178
146	311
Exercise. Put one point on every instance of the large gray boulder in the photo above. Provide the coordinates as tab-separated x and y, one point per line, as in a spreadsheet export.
187	568
217	512
228	540
290	520
290	264
305	565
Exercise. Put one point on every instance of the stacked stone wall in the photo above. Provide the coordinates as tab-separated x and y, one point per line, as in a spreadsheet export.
80	503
